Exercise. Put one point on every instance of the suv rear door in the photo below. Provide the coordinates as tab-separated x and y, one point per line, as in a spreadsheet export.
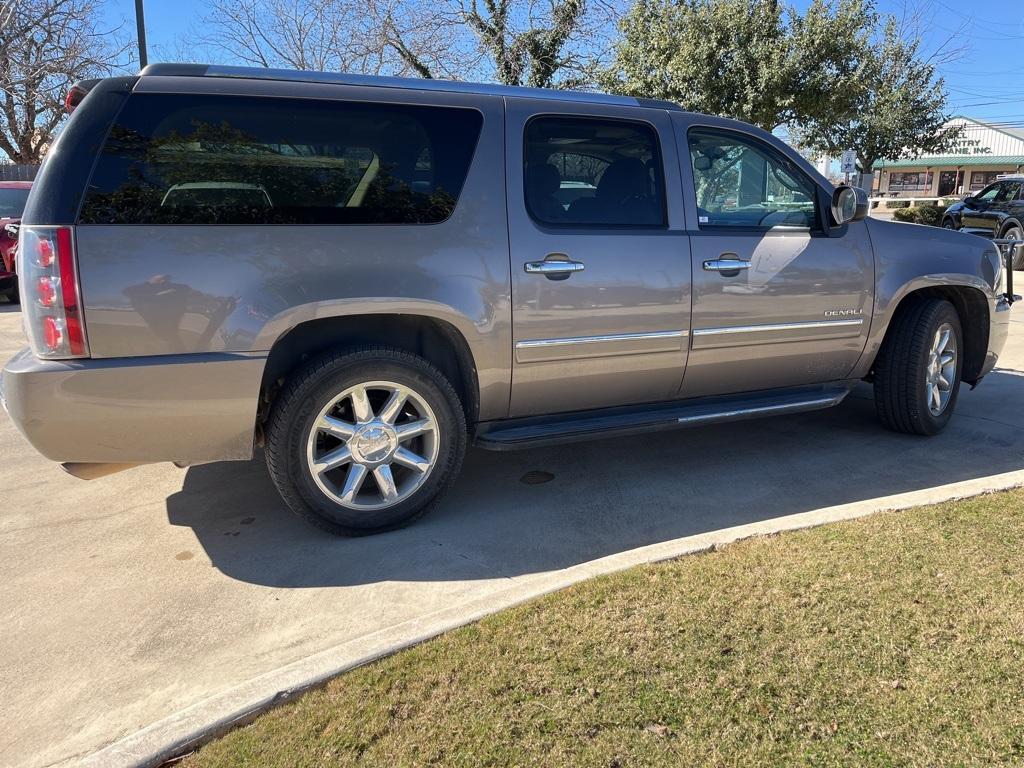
600	261
778	300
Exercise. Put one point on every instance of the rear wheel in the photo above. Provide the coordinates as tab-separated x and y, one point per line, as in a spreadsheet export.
365	441
917	373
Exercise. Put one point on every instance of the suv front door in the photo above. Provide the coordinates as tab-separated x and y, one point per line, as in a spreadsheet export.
997	213
777	301
975	215
600	260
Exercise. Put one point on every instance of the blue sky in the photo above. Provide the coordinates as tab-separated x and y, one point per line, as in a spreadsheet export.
985	82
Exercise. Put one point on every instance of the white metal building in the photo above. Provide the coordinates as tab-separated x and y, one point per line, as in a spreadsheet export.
982	153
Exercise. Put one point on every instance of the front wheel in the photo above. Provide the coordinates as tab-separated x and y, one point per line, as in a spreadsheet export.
948	224
917	373
365	441
1015	232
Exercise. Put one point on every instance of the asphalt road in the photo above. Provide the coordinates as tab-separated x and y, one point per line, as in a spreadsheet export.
127	599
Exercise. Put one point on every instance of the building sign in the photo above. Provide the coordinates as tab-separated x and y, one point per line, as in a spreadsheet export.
969	146
979	140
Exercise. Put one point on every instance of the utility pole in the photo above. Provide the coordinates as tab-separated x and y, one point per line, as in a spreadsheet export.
140	26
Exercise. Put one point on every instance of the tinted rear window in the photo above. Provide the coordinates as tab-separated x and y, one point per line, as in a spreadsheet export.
12	202
188	159
589	172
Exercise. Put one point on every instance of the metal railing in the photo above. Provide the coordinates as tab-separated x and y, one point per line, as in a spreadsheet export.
913	202
1009	250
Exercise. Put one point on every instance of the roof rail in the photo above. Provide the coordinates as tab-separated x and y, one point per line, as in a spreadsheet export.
414	83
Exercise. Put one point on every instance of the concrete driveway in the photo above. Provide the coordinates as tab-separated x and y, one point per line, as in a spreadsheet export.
128	599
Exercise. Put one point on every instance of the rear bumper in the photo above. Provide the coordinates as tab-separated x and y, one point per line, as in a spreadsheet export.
184	408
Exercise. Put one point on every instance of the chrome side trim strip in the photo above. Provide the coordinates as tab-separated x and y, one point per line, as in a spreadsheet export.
532	343
777	327
763	410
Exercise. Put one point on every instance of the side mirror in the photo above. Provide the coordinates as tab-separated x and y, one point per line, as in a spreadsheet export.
849	204
969	200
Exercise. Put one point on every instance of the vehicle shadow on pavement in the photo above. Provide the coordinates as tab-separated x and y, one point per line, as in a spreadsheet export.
606	496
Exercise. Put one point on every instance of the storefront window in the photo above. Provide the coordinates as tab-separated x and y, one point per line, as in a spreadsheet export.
916	181
981	179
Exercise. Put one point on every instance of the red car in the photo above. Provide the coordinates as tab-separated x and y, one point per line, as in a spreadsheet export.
13	195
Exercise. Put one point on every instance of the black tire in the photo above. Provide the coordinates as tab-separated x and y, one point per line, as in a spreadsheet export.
948	223
311	388
1015	231
901	368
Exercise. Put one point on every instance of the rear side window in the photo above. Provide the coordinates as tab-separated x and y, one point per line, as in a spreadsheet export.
592	172
188	159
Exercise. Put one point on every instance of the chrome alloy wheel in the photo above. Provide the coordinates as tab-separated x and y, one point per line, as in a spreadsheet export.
941	372
373	445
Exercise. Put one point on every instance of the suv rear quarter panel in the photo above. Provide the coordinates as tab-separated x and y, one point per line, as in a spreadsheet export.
243	287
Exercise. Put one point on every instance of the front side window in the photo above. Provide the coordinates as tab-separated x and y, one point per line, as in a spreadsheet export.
592	172
989	194
196	159
742	183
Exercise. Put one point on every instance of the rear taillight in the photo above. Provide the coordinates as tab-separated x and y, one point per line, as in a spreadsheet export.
74	98
78	92
50	294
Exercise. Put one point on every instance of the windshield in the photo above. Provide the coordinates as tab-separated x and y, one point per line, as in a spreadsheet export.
12	203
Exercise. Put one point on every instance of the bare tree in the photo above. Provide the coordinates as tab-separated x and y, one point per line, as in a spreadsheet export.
329	35
299	34
542	43
45	47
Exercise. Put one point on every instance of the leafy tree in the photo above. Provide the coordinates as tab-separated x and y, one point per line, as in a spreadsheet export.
900	106
754	60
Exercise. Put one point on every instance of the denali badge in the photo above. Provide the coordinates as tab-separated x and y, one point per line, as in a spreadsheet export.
843	312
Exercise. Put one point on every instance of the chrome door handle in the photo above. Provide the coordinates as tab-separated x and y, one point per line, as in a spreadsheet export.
553	268
725	265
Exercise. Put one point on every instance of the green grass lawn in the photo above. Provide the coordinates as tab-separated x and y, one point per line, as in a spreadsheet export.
896	640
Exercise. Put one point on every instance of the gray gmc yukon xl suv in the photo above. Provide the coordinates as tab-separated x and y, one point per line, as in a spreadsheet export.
362	275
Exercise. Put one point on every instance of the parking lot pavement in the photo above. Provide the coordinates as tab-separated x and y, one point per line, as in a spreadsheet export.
127	599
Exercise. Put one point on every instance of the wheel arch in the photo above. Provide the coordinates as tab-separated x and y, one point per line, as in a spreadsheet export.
1010	222
436	340
972	306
